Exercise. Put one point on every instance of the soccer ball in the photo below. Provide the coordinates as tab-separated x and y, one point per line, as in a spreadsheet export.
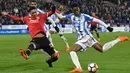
92	67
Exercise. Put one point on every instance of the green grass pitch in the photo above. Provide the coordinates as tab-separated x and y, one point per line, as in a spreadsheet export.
115	60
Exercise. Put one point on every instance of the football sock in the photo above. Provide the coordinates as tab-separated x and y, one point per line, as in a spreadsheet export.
49	61
64	39
28	52
53	59
30	49
97	35
110	44
75	59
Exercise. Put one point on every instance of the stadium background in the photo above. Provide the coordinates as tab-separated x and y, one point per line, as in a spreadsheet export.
113	12
116	13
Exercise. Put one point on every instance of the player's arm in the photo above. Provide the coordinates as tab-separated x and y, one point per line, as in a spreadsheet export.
53	10
102	23
89	18
16	18
53	24
60	15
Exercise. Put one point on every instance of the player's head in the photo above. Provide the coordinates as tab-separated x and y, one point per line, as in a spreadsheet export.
93	13
33	3
75	9
33	12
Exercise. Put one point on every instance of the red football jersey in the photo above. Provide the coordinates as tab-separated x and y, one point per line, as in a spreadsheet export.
94	23
35	25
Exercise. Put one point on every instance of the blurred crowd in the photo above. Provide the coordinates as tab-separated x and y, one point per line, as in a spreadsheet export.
107	11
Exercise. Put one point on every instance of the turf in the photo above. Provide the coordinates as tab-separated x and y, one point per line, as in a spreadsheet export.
115	60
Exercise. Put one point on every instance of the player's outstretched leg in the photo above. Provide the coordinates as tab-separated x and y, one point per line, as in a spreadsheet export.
110	44
97	33
52	59
65	41
26	53
75	59
50	39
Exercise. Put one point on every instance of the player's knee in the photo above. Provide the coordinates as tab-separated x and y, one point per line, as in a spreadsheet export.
32	46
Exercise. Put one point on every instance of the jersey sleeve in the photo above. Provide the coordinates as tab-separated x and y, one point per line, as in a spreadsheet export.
68	16
25	19
16	18
88	18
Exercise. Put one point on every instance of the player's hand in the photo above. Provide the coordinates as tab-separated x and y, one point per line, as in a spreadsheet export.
4	13
57	29
53	8
110	29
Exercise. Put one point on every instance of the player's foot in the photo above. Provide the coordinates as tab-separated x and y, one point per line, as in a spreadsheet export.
49	63
77	70
98	39
23	54
67	49
123	38
58	54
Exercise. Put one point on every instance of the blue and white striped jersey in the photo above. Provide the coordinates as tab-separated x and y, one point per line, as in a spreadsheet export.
80	24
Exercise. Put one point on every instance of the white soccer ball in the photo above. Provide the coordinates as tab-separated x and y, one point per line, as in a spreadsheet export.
92	67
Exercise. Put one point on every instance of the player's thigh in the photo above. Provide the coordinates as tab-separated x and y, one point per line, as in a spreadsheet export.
98	47
76	47
50	51
36	42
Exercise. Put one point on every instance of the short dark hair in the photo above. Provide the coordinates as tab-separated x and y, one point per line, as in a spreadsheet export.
74	5
31	8
34	1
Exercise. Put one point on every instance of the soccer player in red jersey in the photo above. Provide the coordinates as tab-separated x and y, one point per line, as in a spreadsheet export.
94	26
39	40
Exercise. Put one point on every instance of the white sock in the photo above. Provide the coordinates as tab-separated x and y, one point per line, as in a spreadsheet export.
65	41
75	59
110	44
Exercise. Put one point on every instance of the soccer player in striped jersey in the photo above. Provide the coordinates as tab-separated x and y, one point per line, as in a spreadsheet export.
84	36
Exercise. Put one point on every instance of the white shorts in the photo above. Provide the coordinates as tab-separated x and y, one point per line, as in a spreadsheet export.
86	41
